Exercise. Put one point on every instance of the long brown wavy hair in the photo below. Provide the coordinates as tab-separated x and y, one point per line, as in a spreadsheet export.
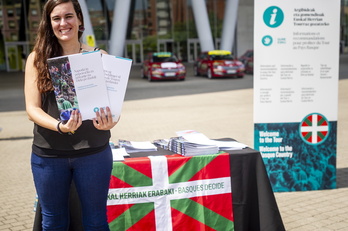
47	46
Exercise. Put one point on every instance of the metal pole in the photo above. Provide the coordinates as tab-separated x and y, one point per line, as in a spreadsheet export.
119	27
202	25
88	35
229	25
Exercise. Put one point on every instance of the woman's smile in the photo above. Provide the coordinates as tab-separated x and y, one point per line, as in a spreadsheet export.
65	31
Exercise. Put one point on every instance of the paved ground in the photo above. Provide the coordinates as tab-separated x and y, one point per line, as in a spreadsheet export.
150	119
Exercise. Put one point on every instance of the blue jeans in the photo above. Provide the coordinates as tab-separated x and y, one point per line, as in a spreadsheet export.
91	175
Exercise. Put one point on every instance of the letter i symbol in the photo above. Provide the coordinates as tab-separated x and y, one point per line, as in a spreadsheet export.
273	17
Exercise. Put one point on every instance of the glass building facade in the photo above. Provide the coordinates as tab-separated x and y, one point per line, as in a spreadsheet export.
156	25
153	25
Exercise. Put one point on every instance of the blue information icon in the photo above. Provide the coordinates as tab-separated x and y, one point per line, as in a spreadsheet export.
267	40
273	16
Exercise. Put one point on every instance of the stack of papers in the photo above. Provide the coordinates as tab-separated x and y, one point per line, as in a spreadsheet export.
194	137
187	143
162	143
132	146
199	138
181	146
229	145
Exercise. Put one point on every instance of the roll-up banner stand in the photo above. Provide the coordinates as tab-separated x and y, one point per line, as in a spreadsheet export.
296	60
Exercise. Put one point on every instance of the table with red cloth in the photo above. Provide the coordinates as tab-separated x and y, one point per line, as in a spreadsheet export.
166	191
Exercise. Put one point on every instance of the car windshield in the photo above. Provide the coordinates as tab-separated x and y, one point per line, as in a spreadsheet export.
164	58
221	57
250	54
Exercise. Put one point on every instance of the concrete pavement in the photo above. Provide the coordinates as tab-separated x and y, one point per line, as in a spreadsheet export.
149	119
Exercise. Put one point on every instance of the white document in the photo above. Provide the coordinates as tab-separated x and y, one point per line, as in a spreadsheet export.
83	75
195	137
96	80
199	138
142	145
118	154
136	146
116	71
229	145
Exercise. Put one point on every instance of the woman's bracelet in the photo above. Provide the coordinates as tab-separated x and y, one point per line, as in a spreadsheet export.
63	133
58	129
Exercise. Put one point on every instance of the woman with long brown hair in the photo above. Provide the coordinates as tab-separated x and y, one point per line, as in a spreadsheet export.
65	151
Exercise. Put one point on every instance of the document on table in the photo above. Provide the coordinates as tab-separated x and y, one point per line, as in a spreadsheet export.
118	154
136	146
199	138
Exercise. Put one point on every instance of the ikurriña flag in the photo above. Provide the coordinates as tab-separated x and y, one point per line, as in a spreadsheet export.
314	128
171	193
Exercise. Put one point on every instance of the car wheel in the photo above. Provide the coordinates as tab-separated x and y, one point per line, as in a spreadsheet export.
143	76
246	65
149	76
209	74
195	70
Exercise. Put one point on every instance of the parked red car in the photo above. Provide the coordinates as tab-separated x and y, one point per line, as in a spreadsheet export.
163	66
218	63
248	60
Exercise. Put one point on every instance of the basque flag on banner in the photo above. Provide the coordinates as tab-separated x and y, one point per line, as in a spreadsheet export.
314	128
171	193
